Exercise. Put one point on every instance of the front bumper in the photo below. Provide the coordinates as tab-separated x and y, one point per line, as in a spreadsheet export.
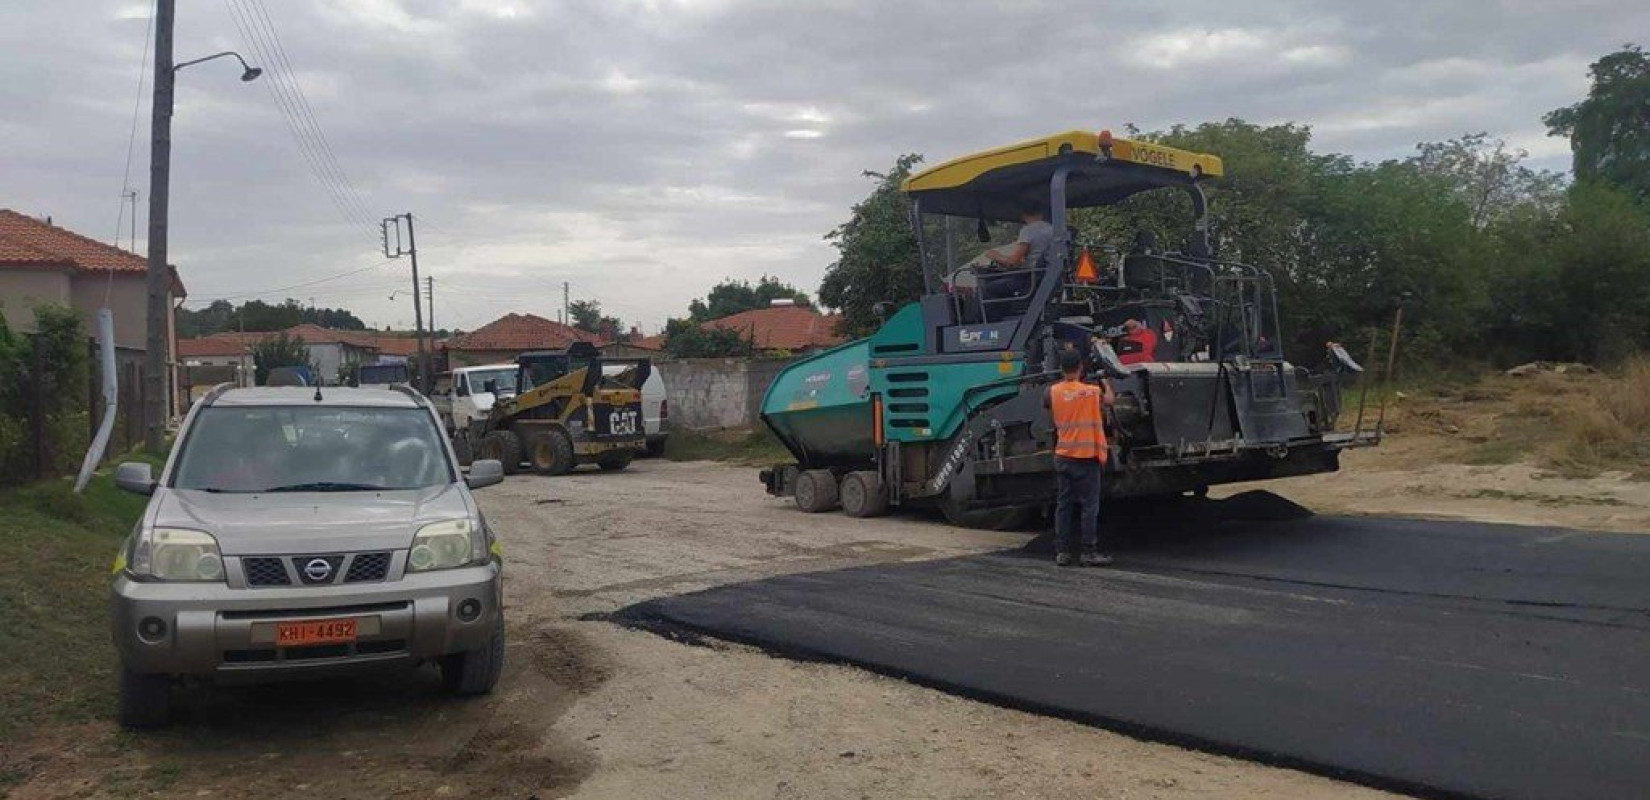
228	634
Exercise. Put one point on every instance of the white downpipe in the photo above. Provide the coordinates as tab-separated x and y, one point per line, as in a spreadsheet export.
106	355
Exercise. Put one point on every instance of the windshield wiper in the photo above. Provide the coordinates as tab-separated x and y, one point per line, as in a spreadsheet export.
327	486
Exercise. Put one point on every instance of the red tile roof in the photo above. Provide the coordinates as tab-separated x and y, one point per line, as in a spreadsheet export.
654	342
522	332
21	234
783	327
211	346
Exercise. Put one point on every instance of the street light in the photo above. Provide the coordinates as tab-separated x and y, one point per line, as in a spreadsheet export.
157	384
249	75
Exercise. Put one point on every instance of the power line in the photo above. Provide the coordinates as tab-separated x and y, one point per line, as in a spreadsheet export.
131	138
316	282
286	106
297	90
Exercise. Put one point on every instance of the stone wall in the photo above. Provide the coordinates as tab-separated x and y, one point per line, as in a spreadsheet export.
715	393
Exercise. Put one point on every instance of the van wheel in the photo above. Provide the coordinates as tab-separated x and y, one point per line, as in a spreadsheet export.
550	453
145	700
505	447
477	671
816	491
616	462
863	494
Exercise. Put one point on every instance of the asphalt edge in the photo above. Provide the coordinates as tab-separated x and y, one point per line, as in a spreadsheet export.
648	617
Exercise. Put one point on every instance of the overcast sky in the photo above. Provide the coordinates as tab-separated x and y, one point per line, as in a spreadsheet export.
644	149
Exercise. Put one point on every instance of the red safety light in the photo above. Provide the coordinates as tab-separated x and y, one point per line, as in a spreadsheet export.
664	409
1086	272
1105	138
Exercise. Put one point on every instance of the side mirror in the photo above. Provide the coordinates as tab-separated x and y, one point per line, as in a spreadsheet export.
490	387
137	477
484	473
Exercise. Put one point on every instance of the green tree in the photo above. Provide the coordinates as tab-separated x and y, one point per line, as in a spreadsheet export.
1489	177
732	297
256	315
689	339
877	257
588	317
1610	130
280	351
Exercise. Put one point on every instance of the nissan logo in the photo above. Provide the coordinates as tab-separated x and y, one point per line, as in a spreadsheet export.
317	570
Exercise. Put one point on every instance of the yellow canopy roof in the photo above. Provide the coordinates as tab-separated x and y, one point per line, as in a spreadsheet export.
993	183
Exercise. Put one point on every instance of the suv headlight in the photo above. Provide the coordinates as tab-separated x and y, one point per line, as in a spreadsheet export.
448	544
175	554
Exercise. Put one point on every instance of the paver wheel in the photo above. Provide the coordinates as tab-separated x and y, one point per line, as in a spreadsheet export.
477	671
551	453
503	447
863	494
616	461
816	491
145	700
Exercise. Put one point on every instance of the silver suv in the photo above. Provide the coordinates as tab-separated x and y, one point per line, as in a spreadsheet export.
298	531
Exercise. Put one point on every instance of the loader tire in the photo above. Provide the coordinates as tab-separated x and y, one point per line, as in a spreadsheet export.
616	461
816	491
462	449
505	447
551	453
863	494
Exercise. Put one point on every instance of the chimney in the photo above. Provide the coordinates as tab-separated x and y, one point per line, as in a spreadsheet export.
781	302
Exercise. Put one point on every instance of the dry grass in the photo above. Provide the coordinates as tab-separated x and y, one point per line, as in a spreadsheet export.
1576	424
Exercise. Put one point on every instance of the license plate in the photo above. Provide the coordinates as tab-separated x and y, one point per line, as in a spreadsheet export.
325	631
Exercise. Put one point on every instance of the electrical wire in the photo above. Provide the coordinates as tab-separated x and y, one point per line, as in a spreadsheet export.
316	282
278	89
131	144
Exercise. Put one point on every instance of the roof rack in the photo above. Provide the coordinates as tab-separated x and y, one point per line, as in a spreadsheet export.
216	392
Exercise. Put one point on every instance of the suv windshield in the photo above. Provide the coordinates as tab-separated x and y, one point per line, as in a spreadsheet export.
504	376
311	449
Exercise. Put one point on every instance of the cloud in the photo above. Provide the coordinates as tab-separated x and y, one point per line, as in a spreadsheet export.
641	150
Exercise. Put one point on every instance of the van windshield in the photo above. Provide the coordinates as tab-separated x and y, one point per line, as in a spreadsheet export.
249	449
505	378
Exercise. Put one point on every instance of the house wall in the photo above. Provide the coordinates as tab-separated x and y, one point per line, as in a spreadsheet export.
476	358
713	393
128	301
22	289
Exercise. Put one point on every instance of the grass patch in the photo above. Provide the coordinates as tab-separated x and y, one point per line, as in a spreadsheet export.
56	659
757	446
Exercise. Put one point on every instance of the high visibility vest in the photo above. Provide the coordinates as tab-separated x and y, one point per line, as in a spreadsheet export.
1078	424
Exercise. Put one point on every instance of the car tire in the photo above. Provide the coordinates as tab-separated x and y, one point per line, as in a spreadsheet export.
656	447
475	672
145	700
462	449
551	453
505	446
863	494
616	462
816	491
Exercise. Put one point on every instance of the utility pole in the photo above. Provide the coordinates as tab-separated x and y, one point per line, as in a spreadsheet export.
411	250
159	275
566	312
429	289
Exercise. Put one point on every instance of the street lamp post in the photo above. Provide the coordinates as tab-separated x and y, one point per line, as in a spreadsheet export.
159	279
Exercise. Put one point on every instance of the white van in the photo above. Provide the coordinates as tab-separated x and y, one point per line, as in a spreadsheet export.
655	407
467	394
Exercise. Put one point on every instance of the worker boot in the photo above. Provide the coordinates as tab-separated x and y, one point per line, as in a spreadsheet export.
1093	559
1064	560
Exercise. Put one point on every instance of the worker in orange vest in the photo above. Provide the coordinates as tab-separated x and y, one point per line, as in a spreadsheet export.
1079	453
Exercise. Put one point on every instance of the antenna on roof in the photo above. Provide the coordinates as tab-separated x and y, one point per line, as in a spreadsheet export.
318	382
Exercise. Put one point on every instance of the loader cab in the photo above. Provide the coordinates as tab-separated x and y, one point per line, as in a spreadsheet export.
543	367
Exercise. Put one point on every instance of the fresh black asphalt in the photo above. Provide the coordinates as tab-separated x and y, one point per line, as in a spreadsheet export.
1437	658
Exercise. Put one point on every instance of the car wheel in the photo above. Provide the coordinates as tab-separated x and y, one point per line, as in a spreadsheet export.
615	462
656	447
145	700
477	671
505	447
863	494
816	491
550	453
